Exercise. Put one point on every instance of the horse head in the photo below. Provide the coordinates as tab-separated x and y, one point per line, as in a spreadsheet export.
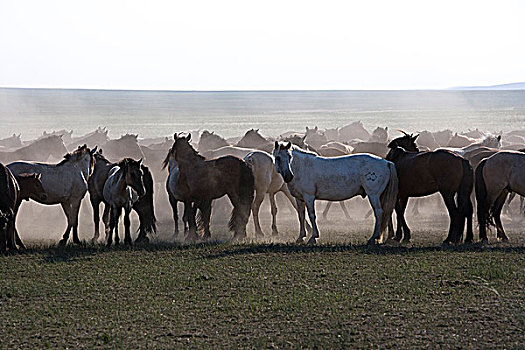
31	186
283	157
407	142
133	175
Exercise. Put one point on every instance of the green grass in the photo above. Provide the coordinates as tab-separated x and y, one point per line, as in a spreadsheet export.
260	296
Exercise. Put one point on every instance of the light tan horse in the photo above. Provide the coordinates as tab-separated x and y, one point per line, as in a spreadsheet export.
496	176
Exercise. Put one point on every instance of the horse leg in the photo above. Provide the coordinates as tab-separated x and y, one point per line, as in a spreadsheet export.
75	208
453	233
192	225
67	210
173	203
274	214
19	242
118	213
343	206
326	209
506	207
106	216
239	217
375	202
95	204
284	189
256	205
300	212
310	206
415	208
127	229
496	213
109	235
11	235
400	208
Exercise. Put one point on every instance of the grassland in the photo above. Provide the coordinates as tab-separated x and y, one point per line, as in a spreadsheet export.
263	296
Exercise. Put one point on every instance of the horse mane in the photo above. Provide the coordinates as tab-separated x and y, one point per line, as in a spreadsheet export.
166	160
303	151
79	152
192	150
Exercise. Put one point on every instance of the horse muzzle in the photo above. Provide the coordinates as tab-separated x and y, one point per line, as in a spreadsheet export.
43	197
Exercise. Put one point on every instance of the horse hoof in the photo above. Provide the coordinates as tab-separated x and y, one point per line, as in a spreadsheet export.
62	242
372	242
142	239
259	233
312	240
275	233
406	240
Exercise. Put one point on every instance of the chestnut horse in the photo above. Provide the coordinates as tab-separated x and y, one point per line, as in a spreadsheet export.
424	173
201	181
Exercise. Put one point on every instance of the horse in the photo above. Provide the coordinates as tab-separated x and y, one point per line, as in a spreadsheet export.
315	138
65	183
64	134
12	192
379	149
267	180
144	206
253	139
123	187
210	141
235	151
424	173
125	146
38	151
490	141
379	135
92	139
202	180
30	187
496	176
11	142
355	130
310	177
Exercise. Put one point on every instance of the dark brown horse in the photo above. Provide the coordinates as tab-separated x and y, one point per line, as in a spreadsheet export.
424	173
201	181
12	192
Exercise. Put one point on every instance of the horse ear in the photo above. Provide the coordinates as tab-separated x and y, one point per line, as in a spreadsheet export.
499	137
307	129
38	176
140	161
276	145
175	136
415	137
94	150
303	138
386	128
256	130
188	138
316	128
288	145
100	151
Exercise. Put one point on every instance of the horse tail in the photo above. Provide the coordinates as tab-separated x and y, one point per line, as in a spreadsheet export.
465	189
389	197
241	212
482	201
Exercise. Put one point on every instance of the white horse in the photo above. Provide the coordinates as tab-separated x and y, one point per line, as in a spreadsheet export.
65	183
310	177
490	141
122	189
267	180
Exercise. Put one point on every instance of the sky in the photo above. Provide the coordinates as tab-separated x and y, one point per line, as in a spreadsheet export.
261	45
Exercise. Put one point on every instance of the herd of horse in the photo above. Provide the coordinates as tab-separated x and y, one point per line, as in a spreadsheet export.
473	168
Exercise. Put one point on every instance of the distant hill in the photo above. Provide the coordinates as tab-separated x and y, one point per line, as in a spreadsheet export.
511	86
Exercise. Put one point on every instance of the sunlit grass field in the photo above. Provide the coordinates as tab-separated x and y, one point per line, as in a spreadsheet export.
263	295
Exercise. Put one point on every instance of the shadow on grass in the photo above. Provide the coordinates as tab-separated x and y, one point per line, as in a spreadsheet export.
216	250
363	249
